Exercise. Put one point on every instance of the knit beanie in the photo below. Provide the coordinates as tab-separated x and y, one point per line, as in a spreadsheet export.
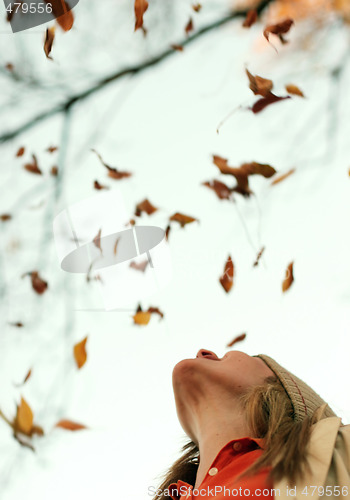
304	400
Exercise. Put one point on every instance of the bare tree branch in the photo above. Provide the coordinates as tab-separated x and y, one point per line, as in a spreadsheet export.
131	70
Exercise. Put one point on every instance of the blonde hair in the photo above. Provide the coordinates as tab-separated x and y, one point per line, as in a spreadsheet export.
270	416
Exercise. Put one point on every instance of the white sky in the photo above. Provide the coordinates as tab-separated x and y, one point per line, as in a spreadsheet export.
161	125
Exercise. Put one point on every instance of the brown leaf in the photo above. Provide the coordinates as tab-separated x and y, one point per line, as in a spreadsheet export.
5	217
25	379
156	310
288	280
259	85
99	186
179	48
167	229
10	67
23	442
54	171
293	89
24	418
251	18
97	240
139	266
197	7
278	29
140	8
33	167
48	42
79	352
52	149
112	172
258	257
189	26
38	284
226	279
116	246
63	14
145	206
239	338
21	151
142	318
182	219
69	425
18	324
281	177
262	103
222	191
36	429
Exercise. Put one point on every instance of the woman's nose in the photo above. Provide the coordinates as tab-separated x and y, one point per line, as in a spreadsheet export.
204	353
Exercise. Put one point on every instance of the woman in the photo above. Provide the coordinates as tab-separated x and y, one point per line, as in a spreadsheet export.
255	430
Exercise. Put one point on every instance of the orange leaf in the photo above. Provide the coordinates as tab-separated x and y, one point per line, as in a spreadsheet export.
251	18
33	167
69	425
142	318
24	418
112	172
288	280
281	177
259	85
79	351
239	338
293	89
226	279
145	206
140	8
20	152
97	240
182	219
63	13
48	42
38	284
197	7
179	48
99	186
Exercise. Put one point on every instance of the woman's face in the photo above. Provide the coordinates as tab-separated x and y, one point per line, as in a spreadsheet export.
212	379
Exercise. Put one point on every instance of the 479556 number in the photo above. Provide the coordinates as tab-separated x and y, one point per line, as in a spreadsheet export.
32	8
327	491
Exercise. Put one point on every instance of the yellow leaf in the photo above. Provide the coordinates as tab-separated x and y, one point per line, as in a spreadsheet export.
80	355
142	318
24	417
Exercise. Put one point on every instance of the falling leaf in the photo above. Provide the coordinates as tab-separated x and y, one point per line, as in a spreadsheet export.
5	217
54	171
288	280
97	240
24	418
99	186
116	246
145	206
262	103
167	230
251	18
293	89
21	151
197	7
179	48
10	67
239	338
38	284
112	172
140	8
189	26
48	42
52	149
258	85
281	177
142	318
258	257
25	378
156	310
182	219
69	425
226	279
222	191
279	29
63	13
79	351
139	266
33	167
18	324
